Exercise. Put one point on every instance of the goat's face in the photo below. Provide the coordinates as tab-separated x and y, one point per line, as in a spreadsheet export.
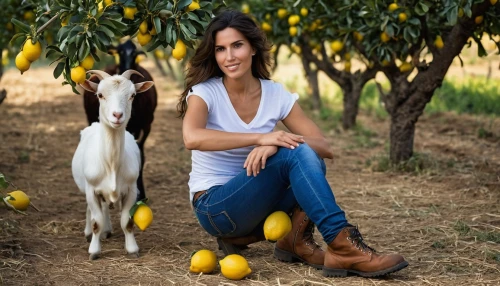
116	94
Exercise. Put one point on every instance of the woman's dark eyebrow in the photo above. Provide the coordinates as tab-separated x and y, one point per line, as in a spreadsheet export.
217	46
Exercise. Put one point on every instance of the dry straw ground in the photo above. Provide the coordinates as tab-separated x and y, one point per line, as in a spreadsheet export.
444	219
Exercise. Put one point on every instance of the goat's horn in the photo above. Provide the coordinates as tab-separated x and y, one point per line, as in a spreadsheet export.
128	73
101	74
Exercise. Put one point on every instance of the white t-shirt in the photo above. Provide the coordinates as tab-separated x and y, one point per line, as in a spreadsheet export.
211	168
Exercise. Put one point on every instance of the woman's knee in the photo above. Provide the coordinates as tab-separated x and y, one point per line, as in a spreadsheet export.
305	153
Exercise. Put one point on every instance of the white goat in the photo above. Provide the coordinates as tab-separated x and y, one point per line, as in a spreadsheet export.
107	161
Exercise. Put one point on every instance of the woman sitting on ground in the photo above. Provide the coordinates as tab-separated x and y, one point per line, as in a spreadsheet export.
243	170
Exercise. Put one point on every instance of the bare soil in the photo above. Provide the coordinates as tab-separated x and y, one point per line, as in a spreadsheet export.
443	217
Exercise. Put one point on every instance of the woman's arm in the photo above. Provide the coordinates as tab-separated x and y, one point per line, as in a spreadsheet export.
298	123
197	137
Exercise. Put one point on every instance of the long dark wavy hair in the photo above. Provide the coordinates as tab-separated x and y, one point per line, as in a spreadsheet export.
203	65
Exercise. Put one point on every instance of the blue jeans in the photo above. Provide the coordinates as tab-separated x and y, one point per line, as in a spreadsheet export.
236	208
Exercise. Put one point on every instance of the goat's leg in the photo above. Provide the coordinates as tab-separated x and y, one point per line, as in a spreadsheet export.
88	227
140	142
97	223
127	223
107	228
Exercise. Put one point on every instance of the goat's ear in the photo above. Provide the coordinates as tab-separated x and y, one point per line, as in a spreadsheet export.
143	86
89	86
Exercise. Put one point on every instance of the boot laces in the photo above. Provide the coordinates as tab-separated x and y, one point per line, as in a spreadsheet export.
308	233
357	240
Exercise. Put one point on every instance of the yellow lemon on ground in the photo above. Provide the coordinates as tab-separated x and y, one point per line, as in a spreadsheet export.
402	17
277	226
405	67
32	51
234	267
143	39
129	12
293	31
336	46
78	74
282	13
384	37
19	200
479	19
266	27
439	42
245	8
304	12
393	7
203	261
22	63
193	6
143	217
179	52
88	62
143	27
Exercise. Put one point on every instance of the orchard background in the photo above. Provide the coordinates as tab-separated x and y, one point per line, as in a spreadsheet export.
407	93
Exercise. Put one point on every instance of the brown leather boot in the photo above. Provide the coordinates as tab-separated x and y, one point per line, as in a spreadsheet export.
299	245
233	245
348	254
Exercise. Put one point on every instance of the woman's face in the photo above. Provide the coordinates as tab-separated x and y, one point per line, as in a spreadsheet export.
233	53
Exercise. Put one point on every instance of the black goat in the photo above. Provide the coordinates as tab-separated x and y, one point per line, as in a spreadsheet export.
143	106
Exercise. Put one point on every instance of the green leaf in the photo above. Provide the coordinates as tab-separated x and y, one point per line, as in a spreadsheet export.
157	23
183	3
421	9
59	69
25	28
3	182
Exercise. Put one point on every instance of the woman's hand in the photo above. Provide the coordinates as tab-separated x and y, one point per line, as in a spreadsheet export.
282	139
256	160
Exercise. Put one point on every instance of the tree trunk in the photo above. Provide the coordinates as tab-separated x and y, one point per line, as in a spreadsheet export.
352	94
313	90
401	138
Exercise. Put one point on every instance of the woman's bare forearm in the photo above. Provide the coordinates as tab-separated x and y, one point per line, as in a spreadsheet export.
214	140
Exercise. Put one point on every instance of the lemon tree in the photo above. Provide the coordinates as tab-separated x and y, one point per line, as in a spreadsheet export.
9	9
412	42
86	27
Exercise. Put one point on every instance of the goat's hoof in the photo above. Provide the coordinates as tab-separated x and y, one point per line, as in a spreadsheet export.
88	238
93	256
133	255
